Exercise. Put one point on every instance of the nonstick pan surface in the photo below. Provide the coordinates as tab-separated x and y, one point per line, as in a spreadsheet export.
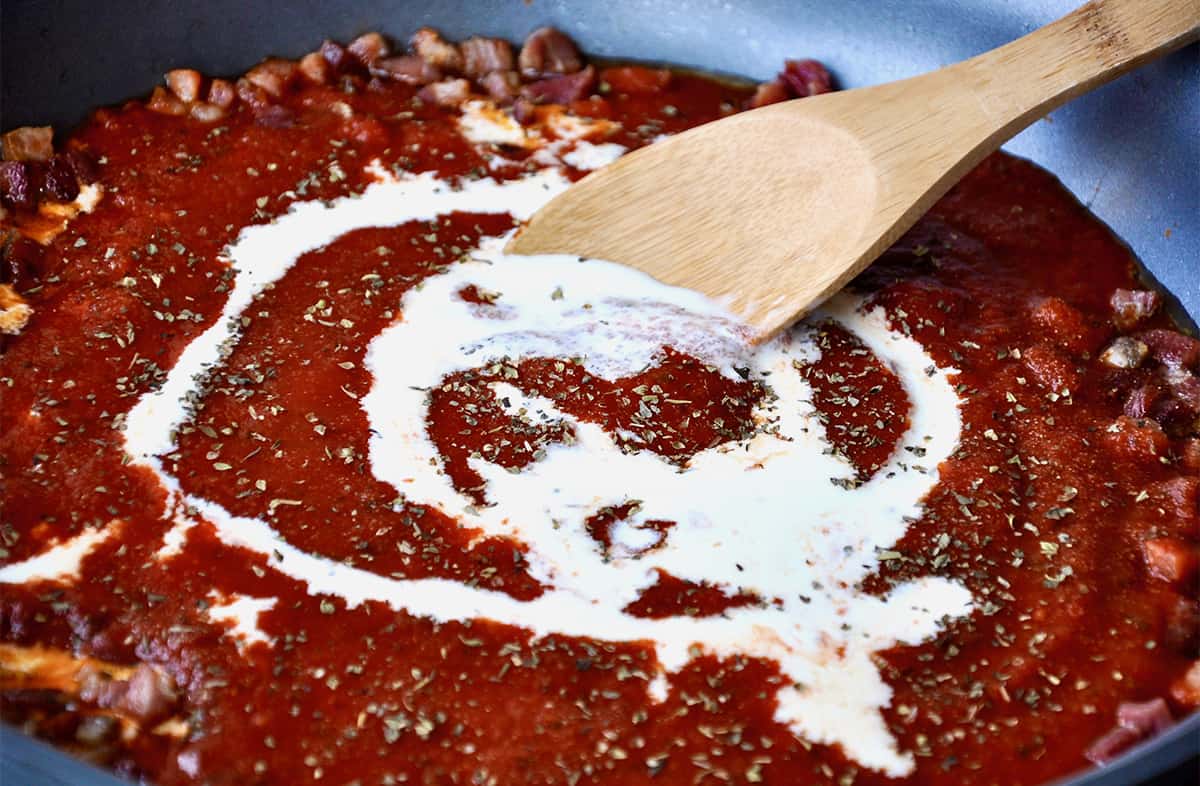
1130	151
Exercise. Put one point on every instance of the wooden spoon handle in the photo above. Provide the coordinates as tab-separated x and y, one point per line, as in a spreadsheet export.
1019	82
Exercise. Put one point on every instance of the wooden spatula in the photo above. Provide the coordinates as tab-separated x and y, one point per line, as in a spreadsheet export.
773	210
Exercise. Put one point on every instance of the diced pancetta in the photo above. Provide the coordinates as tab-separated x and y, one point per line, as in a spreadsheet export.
806	78
1172	348
448	92
17	188
437	51
29	143
274	76
1136	721
1133	306
1124	352
185	83
1185	691
502	86
561	89
14	311
483	55
315	68
548	51
410	69
368	48
164	102
221	93
769	93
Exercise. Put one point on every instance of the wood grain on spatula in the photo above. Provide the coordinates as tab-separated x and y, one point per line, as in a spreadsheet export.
773	210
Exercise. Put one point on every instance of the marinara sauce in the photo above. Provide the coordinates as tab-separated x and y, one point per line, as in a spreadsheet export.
1069	508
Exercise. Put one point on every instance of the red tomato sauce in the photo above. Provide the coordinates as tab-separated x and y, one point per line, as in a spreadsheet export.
1044	511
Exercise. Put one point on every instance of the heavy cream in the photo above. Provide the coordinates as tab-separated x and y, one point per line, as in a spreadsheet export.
769	514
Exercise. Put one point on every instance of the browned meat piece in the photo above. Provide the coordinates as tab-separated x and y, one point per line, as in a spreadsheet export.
1111	745
410	69
1176	417
206	112
29	143
185	84
1181	627
60	183
437	51
81	164
16	185
315	68
1172	348
164	102
1186	690
502	86
1179	497
1124	352
1132	306
1147	718
1187	389
14	311
368	48
799	79
1178	410
221	93
336	55
148	695
97	730
562	89
252	95
1142	400
1136	721
769	93
448	92
259	102
483	55
524	111
98	686
22	262
806	78
548	51
274	76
